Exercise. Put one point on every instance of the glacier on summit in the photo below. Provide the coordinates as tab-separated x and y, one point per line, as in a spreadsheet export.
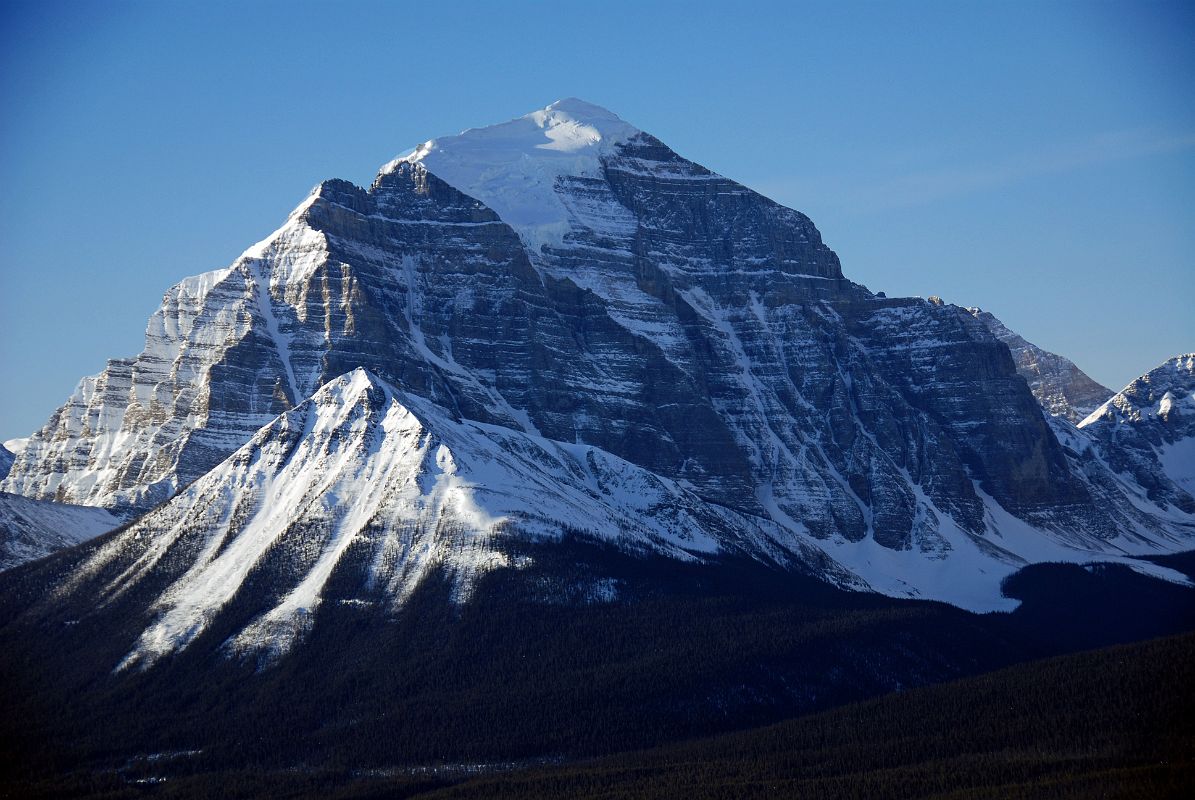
592	326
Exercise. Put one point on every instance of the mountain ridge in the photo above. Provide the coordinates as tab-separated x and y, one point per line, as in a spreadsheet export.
1061	387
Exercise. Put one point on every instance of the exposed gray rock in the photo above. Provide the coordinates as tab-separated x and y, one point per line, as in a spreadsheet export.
1063	389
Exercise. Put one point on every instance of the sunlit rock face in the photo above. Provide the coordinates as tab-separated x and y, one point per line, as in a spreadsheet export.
1062	388
570	280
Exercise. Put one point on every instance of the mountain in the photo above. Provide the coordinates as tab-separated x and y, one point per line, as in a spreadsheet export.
1146	432
568	278
1063	389
364	479
551	444
31	529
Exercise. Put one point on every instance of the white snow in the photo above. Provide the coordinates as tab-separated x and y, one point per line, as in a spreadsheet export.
364	463
1178	460
514	167
265	305
31	529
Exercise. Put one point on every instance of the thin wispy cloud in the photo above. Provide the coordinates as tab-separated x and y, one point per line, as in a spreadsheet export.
932	185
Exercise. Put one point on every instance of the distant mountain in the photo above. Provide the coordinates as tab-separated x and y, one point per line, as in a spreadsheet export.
1063	389
1146	432
31	529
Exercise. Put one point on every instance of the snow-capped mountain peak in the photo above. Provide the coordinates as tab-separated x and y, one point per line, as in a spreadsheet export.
1166	390
514	167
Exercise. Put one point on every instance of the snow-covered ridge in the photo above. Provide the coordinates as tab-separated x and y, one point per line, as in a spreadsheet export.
1146	434
1165	390
363	467
385	487
514	167
148	420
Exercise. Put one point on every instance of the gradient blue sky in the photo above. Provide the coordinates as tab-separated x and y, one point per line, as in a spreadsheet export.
1036	159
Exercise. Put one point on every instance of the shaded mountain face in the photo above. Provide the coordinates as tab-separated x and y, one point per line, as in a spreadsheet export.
580	650
6	460
1063	389
32	529
570	281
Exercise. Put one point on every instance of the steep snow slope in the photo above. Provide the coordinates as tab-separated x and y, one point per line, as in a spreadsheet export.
1063	389
31	529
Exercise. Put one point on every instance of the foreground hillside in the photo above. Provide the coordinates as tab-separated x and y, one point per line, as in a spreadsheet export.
531	671
1118	722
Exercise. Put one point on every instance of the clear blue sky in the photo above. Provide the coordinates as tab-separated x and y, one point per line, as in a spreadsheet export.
1036	159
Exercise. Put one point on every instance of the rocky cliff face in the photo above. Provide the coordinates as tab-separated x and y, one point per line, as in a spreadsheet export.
1063	389
568	277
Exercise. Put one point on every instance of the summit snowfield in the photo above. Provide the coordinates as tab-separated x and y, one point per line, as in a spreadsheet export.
602	338
565	141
